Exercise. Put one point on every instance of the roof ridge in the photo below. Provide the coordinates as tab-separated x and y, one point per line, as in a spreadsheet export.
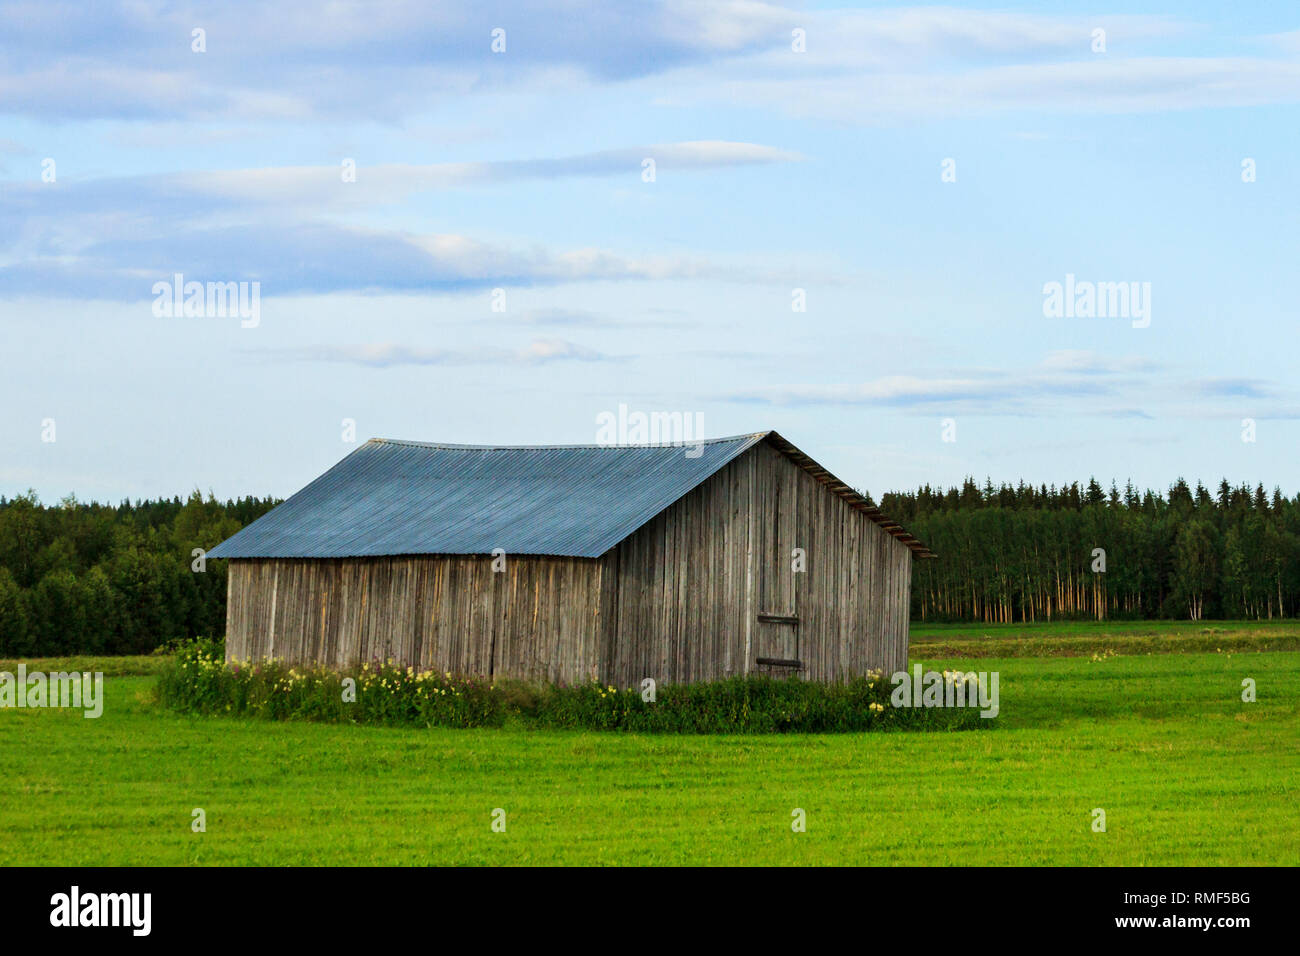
460	447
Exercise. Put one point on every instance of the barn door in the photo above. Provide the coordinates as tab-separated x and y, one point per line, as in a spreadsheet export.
775	644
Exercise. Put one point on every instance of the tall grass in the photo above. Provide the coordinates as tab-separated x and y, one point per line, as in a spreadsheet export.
199	681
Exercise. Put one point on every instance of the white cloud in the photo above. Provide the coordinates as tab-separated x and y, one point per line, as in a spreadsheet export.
1083	361
1068	382
391	354
113	237
319	186
1085	85
278	61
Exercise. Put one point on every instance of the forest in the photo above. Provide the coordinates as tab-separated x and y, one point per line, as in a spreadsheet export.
81	577
104	579
1022	553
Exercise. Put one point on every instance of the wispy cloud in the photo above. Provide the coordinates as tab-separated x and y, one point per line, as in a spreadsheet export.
1073	381
1234	388
394	182
199	195
1084	362
131	60
584	318
136	61
391	355
113	238
1097	85
320	258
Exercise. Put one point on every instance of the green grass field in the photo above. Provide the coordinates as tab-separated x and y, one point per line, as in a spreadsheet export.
1074	638
1278	627
1186	772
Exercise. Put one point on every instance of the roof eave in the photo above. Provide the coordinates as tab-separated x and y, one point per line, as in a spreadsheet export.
848	494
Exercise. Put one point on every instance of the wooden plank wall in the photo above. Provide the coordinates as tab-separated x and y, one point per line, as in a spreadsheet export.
853	598
537	620
689	586
680	609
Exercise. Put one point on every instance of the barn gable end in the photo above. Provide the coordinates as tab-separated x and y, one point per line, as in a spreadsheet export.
708	588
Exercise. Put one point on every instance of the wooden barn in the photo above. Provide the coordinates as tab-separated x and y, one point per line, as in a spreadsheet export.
566	563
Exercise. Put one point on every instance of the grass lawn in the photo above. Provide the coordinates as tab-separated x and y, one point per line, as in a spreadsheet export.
921	631
1073	638
1186	772
123	666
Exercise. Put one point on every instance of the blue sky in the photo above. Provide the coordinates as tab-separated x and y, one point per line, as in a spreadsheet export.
522	170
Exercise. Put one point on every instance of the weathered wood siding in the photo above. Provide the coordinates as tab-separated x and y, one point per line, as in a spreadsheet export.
689	588
853	598
538	619
680	605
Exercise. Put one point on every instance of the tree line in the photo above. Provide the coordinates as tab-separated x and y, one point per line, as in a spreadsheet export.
104	579
92	578
1021	553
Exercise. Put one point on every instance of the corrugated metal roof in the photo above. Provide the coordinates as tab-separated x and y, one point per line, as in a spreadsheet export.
394	497
399	497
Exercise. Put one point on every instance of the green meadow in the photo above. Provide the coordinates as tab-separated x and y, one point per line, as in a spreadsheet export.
1186	772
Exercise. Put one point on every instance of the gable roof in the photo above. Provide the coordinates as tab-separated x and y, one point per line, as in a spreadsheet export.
399	497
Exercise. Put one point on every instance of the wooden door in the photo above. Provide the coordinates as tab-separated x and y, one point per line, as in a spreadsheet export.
775	646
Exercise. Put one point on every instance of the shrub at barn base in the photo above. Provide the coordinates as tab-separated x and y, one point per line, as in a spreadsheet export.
199	681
